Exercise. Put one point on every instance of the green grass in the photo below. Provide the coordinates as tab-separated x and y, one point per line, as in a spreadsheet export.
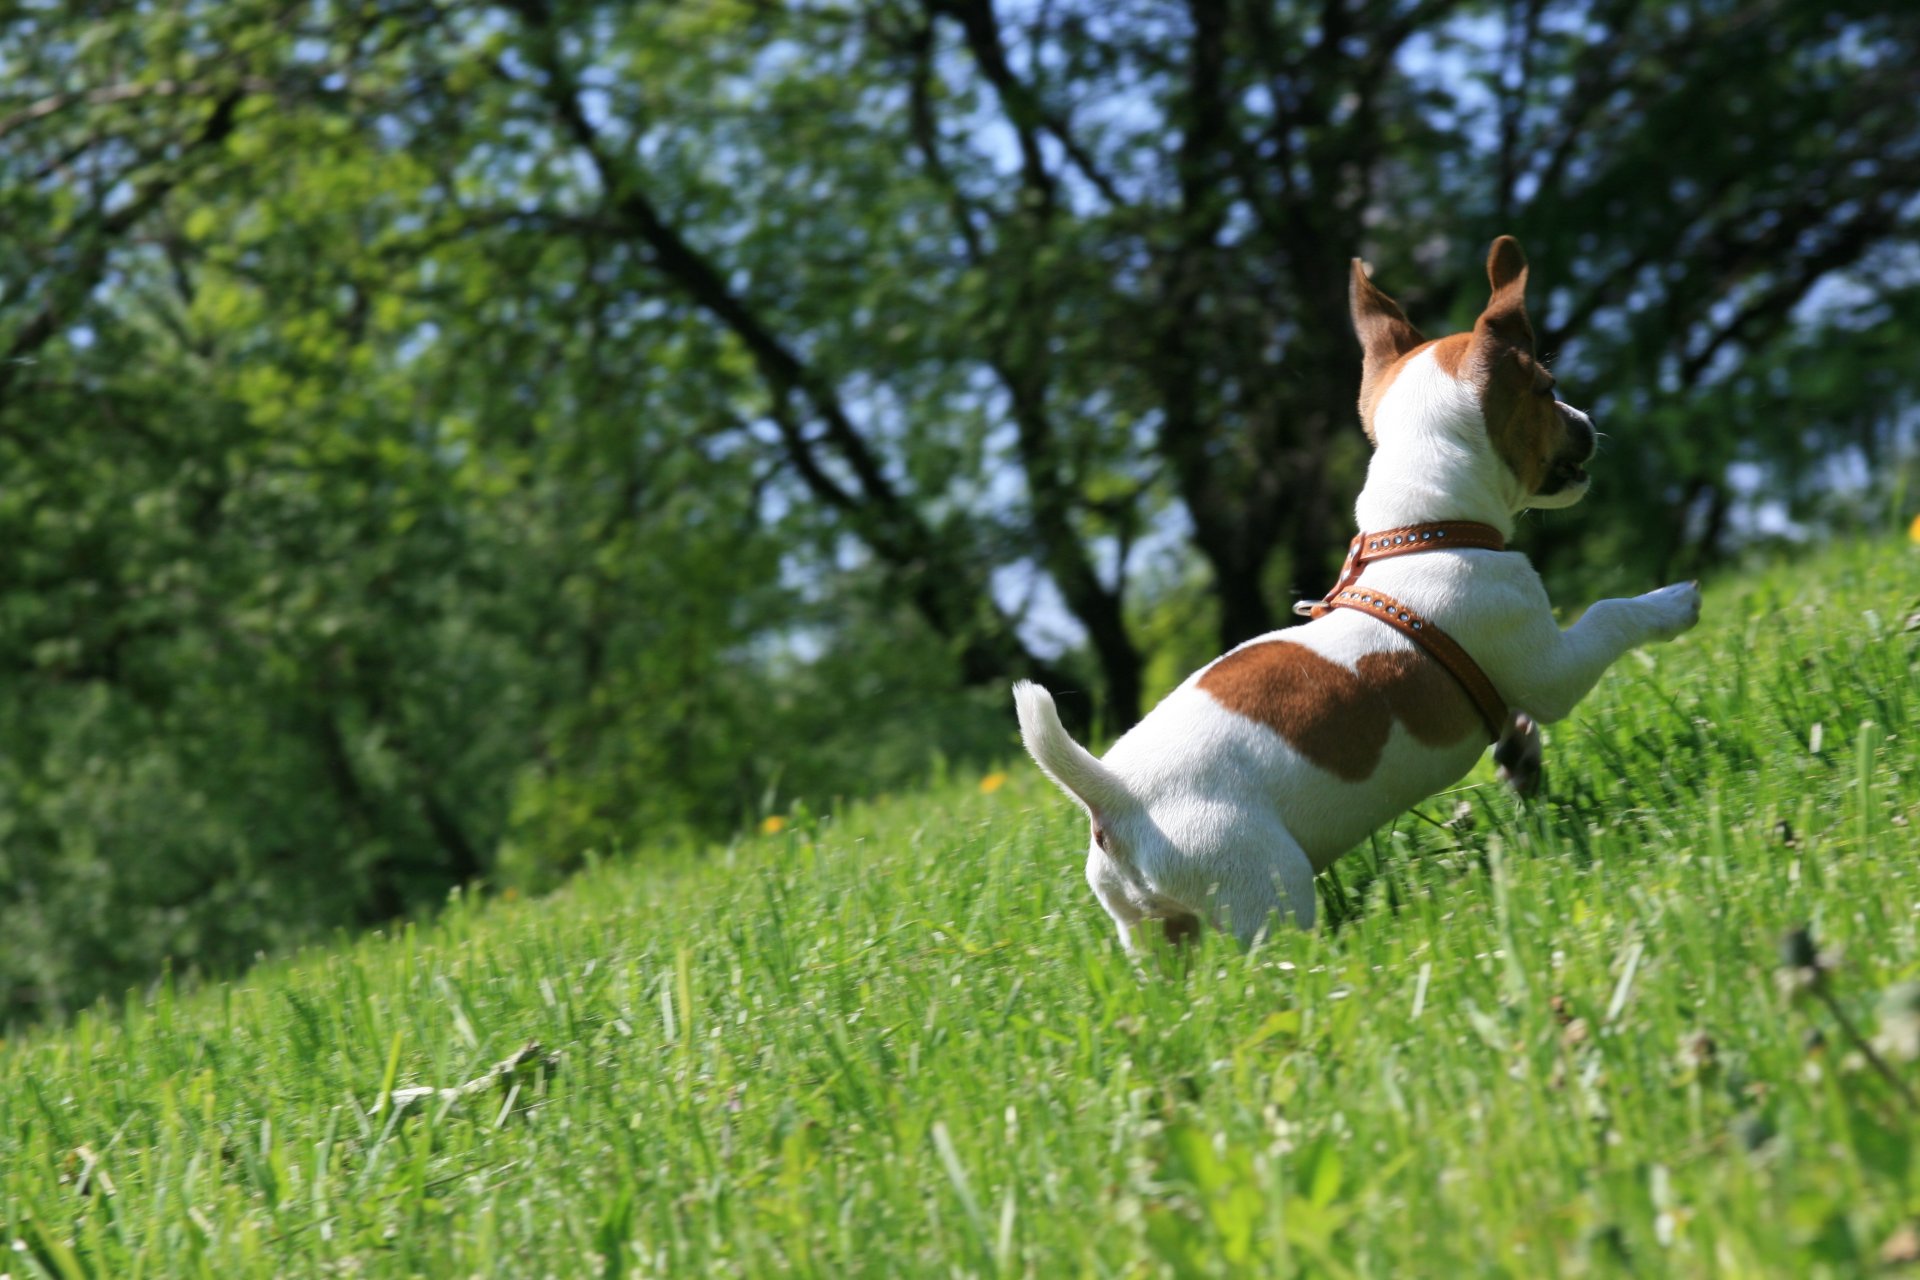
1541	1041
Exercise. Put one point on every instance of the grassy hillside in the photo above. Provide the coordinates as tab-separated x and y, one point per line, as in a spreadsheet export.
1539	1041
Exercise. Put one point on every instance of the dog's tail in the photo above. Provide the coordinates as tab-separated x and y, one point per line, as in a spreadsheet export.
1071	766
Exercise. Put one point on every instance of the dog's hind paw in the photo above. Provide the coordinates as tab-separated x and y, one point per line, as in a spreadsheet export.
1518	759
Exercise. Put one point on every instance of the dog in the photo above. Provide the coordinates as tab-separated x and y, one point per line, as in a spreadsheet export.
1264	766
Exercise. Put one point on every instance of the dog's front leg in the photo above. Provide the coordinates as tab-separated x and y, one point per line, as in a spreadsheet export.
1548	670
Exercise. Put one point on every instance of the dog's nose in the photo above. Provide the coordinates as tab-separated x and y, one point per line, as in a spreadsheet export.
1580	428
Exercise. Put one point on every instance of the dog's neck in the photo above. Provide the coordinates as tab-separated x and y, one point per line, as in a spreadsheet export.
1437	480
1427	466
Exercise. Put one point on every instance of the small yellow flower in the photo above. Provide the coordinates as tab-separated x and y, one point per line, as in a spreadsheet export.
772	825
992	783
1913	530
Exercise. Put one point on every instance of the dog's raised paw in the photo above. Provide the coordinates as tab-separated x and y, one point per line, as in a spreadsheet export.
1676	609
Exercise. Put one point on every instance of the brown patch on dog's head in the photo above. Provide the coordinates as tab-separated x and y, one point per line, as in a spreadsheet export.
1451	353
1339	719
1541	444
1386	338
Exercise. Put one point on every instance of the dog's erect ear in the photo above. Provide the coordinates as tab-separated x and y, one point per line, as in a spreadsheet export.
1384	333
1505	318
1382	327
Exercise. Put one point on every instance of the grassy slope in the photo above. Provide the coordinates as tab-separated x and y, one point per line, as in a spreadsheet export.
902	1042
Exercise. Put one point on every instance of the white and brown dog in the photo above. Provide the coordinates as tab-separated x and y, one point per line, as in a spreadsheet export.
1268	763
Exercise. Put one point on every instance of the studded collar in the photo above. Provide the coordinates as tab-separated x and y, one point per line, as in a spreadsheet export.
1384	544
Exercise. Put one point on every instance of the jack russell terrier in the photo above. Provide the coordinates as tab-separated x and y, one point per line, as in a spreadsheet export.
1268	763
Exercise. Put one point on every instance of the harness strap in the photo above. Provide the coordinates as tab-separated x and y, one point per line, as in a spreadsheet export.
1443	647
1384	545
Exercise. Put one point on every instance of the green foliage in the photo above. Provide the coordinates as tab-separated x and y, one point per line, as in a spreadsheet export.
899	1040
331	578
440	444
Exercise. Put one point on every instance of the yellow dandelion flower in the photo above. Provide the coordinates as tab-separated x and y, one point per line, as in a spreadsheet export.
772	825
1913	530
992	783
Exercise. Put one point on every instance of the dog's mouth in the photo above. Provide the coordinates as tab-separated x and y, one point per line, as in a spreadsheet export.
1569	470
1565	475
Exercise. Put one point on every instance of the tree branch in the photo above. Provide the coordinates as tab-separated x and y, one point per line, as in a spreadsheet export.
926	137
1023	106
105	228
107	95
942	588
1771	308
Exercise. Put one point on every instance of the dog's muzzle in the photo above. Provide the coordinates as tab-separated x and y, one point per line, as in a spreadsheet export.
1570	466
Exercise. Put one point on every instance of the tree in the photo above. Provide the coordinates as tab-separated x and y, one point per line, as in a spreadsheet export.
440	437
1140	219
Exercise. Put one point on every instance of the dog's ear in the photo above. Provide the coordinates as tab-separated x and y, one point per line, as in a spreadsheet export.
1384	333
1505	318
1382	327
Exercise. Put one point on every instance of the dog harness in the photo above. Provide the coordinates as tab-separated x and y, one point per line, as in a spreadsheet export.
1446	535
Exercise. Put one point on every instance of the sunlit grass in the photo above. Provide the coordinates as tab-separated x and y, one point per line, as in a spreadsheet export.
1539	1041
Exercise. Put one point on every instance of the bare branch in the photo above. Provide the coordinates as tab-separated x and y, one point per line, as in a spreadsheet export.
1770	309
107	95
939	585
1023	106
926	137
100	235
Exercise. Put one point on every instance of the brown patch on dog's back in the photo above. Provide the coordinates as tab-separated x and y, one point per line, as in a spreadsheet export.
1302	696
1424	696
1339	719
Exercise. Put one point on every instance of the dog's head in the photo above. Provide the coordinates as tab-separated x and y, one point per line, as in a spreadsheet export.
1495	396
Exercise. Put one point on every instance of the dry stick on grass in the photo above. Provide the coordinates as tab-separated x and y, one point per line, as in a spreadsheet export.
1803	969
1866	1048
504	1074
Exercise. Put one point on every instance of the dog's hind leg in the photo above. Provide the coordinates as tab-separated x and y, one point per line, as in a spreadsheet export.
1137	926
1272	876
1109	888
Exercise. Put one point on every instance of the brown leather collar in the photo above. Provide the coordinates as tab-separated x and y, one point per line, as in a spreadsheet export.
1443	535
1387	543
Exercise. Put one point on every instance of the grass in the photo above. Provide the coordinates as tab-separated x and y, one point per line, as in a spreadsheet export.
1546	1040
